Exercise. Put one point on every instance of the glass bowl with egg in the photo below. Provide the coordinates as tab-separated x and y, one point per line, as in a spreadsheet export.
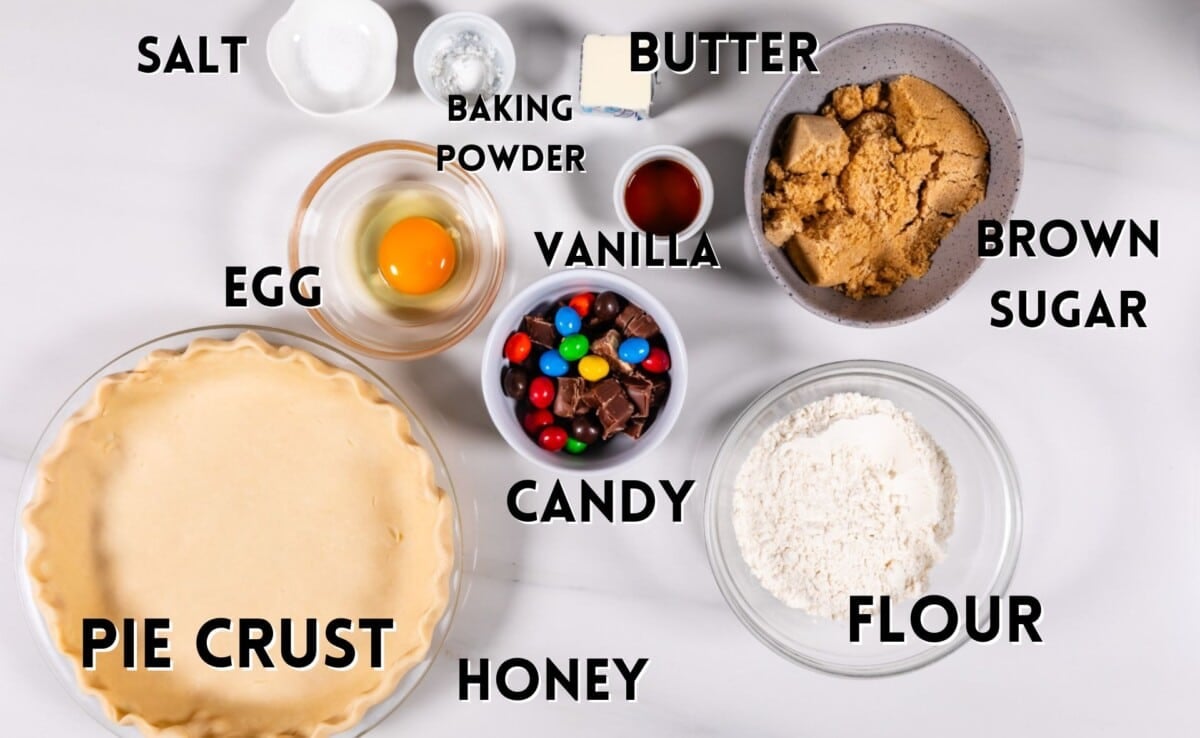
411	258
978	532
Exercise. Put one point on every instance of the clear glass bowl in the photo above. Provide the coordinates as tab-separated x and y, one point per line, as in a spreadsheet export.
981	553
63	667
323	235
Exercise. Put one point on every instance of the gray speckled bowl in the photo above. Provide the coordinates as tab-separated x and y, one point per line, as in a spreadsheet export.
863	56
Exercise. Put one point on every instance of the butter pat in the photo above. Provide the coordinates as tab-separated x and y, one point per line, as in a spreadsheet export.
606	83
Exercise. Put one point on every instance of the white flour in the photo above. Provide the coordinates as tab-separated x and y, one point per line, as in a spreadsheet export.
847	495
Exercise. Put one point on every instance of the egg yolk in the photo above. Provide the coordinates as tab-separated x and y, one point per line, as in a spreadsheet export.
416	256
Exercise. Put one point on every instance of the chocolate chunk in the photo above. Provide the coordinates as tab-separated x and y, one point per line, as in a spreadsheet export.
541	331
568	392
614	415
589	401
636	428
635	322
585	429
607	306
606	347
514	380
605	392
641	392
660	387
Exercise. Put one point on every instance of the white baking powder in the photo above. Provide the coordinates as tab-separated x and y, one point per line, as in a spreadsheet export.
845	496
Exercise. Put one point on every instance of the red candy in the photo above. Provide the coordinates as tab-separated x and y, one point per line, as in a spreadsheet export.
535	420
657	362
541	392
517	347
552	438
582	303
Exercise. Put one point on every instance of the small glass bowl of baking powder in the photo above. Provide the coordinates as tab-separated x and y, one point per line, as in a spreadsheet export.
980	553
464	53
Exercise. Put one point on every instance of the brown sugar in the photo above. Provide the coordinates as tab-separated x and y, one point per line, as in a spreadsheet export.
861	195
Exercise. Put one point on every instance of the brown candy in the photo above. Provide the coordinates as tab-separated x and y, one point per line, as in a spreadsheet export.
606	347
614	415
514	380
606	307
660	386
641	393
584	429
567	396
604	392
636	323
589	401
541	331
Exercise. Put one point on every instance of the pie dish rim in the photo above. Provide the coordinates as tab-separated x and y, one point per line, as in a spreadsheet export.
360	716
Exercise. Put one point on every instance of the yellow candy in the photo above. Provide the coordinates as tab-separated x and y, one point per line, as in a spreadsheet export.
593	368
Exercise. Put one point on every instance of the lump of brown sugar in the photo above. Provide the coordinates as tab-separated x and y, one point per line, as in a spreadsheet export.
816	144
863	208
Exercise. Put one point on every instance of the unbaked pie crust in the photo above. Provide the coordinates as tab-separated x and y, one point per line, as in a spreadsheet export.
240	479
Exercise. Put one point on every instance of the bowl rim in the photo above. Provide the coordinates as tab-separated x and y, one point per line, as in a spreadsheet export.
498	405
487	299
892	372
753	208
35	620
381	22
675	153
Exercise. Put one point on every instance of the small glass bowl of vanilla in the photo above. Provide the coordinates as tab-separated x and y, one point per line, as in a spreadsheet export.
411	258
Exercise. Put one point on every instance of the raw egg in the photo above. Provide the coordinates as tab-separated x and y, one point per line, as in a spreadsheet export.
416	256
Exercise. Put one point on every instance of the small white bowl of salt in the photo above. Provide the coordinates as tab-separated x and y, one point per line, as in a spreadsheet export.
465	54
334	56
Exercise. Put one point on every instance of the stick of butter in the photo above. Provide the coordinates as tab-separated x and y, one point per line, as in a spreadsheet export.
606	83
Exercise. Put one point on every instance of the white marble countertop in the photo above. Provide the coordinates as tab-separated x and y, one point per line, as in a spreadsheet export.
123	196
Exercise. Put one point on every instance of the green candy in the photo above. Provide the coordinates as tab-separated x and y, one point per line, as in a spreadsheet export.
573	347
575	447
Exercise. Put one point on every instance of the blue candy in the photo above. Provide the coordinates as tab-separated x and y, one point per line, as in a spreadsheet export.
567	322
633	350
553	365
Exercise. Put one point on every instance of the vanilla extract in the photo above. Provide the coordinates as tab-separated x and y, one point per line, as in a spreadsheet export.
626	249
509	108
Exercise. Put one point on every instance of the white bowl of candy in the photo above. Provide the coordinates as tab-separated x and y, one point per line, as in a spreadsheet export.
584	371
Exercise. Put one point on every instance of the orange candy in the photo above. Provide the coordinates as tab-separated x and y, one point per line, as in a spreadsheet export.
582	303
416	256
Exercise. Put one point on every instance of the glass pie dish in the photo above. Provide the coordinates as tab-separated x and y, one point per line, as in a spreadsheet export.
980	553
67	669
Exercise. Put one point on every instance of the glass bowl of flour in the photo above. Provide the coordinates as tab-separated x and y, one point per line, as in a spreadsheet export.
863	478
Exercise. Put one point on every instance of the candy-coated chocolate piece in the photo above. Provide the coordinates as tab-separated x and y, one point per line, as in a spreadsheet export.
657	361
607	306
585	430
552	364
634	350
514	380
535	420
593	368
566	321
574	347
517	347
582	303
541	392
552	438
575	446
